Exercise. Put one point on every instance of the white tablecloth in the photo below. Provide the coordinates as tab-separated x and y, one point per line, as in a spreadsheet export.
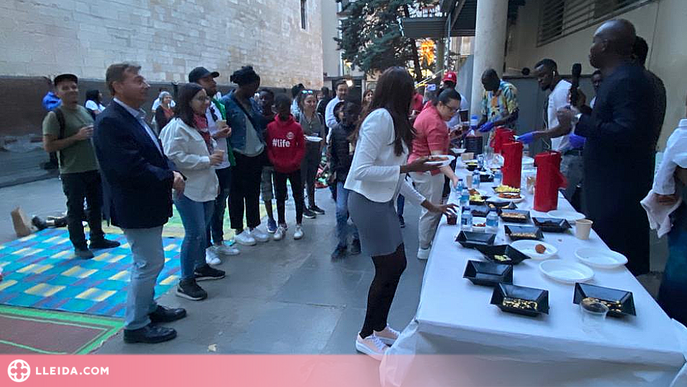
483	346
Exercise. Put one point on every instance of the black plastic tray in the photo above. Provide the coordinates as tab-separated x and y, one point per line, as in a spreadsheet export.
523	229
504	292
480	211
620	302
514	254
514	220
472	239
488	273
552	224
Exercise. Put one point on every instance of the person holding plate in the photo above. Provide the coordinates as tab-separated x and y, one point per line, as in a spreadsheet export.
313	125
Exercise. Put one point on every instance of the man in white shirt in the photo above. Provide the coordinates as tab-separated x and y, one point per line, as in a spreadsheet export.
562	140
341	93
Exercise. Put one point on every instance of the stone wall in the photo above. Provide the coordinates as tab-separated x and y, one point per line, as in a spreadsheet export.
167	37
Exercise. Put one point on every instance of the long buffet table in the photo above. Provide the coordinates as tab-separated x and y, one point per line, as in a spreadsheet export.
482	346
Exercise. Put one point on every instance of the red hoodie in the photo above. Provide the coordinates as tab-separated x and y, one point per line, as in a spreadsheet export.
285	144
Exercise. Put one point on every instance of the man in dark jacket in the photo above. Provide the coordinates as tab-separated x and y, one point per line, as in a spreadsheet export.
619	149
138	181
341	154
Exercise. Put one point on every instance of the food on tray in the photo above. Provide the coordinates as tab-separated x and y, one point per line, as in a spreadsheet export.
502	258
479	225
438	158
474	192
477	198
513	215
504	188
540	249
613	306
520	303
505	195
523	235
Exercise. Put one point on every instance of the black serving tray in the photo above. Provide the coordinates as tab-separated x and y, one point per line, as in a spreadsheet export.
623	298
470	239
488	273
504	292
471	167
514	220
523	229
501	205
480	211
486	177
514	254
552	224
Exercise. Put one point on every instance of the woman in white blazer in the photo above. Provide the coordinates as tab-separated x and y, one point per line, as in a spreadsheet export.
188	143
383	140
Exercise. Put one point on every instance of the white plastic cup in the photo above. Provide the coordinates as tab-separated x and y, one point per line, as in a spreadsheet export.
468	180
582	228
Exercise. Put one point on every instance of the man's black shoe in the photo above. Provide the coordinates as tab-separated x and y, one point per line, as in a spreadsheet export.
206	272
339	252
149	334
317	210
190	290
164	315
83	252
103	244
307	214
355	247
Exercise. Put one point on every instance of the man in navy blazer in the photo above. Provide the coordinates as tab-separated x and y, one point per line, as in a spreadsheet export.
138	180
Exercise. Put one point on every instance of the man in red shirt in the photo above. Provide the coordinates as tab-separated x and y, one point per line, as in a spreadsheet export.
286	149
432	138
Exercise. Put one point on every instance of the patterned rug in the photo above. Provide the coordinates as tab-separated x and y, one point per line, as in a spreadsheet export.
39	332
41	271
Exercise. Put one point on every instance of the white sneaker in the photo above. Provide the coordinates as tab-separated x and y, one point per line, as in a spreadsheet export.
388	336
245	238
279	234
423	254
211	257
298	234
371	345
258	235
226	250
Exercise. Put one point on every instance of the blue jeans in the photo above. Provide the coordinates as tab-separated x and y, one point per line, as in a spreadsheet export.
672	295
196	217
216	227
400	205
149	259
342	215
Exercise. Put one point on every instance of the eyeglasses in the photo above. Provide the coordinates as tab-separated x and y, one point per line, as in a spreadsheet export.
307	92
203	99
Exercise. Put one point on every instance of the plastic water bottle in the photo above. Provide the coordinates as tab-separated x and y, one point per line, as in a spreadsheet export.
498	177
492	222
466	220
475	179
480	161
460	186
464	197
474	120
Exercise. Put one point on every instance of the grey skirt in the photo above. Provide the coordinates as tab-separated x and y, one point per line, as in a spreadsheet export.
378	224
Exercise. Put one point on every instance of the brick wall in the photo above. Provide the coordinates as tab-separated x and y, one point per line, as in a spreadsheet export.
167	37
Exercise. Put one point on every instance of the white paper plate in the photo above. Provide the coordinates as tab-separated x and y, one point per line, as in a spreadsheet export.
527	247
446	162
496	198
570	216
526	160
566	272
458	151
601	258
313	138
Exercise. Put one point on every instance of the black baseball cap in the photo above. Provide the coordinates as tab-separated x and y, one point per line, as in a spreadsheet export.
65	77
201	72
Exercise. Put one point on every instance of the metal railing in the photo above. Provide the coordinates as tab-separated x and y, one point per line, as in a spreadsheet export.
559	18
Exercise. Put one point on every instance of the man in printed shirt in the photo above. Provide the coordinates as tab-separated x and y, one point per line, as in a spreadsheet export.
499	102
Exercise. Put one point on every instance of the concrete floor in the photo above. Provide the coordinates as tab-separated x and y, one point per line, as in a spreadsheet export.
281	297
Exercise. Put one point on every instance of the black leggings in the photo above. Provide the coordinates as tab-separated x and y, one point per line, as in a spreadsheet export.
296	191
244	191
388	270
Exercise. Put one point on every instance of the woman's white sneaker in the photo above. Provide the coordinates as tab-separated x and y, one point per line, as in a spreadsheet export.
388	336
298	234
371	346
244	238
258	235
211	257
279	234
226	250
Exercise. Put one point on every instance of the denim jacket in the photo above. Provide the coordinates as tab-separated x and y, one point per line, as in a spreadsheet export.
236	118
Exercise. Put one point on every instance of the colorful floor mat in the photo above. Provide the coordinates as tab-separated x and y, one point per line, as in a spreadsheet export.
41	271
34	331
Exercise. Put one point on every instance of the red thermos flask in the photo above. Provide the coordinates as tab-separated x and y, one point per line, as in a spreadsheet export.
549	180
512	164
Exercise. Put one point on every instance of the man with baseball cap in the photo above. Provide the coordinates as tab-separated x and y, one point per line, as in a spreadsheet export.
217	125
67	130
450	81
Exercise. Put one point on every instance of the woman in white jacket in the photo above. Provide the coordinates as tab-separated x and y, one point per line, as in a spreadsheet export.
383	141
188	143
